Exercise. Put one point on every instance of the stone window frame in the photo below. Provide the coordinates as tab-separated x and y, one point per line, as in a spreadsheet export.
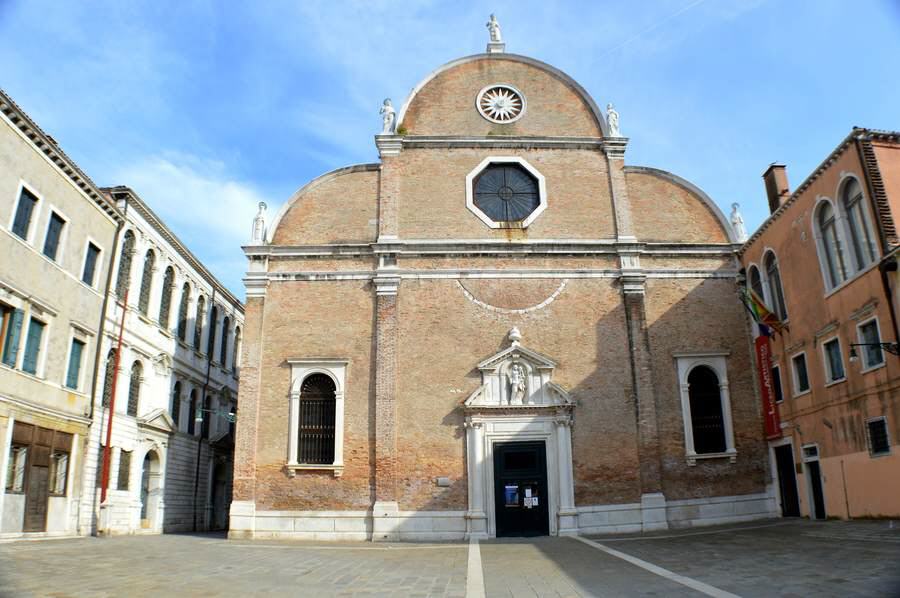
887	432
62	240
777	366
861	339
76	333
98	264
866	224
795	383
470	194
830	380
717	362
301	368
35	214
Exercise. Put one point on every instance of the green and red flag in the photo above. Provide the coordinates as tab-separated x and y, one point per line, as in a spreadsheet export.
760	312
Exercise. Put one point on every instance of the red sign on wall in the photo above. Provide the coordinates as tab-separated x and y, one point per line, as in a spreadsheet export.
770	407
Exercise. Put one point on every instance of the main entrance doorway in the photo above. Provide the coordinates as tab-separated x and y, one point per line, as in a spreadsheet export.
520	489
787	481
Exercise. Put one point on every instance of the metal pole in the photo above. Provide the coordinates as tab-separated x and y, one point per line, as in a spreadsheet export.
112	402
210	351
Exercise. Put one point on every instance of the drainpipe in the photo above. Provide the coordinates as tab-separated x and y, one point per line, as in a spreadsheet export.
209	356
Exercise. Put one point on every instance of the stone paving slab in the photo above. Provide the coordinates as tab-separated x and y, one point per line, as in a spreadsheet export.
782	558
565	567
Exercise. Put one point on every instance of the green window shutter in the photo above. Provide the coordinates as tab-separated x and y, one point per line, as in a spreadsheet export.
32	346
13	333
23	214
54	232
74	364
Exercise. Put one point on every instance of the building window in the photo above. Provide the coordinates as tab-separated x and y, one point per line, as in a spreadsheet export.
124	470
54	235
705	406
24	212
11	333
801	377
879	441
124	273
192	416
861	239
831	250
165	303
776	294
146	281
109	376
33	346
59	472
15	472
756	284
211	339
198	322
316	430
870	338
505	192
91	258
205	416
134	388
834	361
223	349
176	404
776	384
236	350
73	373
183	311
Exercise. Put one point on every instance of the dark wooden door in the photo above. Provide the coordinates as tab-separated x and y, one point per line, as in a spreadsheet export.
787	481
520	489
815	481
36	496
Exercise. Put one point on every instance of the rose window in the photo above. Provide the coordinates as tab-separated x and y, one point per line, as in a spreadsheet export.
501	103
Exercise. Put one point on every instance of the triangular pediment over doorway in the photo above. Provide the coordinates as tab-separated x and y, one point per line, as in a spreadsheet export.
518	378
159	420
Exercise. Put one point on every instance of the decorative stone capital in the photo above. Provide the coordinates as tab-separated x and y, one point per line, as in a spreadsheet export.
473	424
386	283
256	285
615	147
388	145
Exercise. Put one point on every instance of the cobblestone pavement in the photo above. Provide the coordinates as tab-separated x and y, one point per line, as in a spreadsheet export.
773	558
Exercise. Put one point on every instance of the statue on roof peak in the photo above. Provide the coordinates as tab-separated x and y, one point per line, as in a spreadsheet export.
494	29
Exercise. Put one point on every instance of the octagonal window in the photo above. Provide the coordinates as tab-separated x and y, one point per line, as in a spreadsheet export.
505	192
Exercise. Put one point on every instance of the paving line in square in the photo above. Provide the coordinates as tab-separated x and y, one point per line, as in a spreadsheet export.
474	572
680	579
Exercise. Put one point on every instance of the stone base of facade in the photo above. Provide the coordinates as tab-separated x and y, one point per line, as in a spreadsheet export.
386	524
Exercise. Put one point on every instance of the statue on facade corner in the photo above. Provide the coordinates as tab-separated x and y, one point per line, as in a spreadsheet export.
737	223
258	236
516	384
494	29
612	120
387	117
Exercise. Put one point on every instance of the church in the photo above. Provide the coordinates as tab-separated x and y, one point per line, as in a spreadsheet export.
501	328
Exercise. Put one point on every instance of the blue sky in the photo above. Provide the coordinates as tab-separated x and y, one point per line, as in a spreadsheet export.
206	108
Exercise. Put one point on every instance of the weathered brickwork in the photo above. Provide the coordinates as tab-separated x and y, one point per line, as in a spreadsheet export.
416	309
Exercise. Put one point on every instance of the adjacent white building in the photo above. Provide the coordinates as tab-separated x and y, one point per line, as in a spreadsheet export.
176	380
57	238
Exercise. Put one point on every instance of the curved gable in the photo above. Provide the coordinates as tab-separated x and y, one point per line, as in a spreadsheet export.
444	102
667	208
338	207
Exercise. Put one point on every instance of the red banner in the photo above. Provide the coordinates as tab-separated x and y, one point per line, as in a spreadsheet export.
770	407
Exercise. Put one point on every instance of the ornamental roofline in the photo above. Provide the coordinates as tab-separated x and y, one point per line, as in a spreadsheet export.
857	133
49	147
122	192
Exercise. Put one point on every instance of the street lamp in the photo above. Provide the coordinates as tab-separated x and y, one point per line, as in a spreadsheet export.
892	348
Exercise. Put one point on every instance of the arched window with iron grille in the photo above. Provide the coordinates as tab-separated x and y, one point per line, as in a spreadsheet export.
176	403
707	420
134	388
165	303
108	377
125	265
146	281
183	311
316	422
198	322
223	350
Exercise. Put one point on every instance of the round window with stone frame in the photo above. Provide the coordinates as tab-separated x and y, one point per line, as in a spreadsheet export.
500	103
506	193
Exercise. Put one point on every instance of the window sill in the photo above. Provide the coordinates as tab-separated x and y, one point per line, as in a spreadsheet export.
336	468
731	455
800	394
836	382
879	455
850	279
872	368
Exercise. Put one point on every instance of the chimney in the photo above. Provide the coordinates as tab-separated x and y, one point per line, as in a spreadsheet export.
777	188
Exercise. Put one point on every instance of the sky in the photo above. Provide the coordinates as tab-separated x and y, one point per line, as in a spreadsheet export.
207	108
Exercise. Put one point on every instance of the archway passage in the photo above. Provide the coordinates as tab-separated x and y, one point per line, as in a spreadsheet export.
150	490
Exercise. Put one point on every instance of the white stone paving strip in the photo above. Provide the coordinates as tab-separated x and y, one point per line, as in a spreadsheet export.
728	530
474	573
681	579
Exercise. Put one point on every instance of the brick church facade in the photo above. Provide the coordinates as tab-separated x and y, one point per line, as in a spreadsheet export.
500	328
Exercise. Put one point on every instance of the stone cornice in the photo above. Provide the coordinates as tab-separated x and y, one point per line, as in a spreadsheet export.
47	145
502	141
